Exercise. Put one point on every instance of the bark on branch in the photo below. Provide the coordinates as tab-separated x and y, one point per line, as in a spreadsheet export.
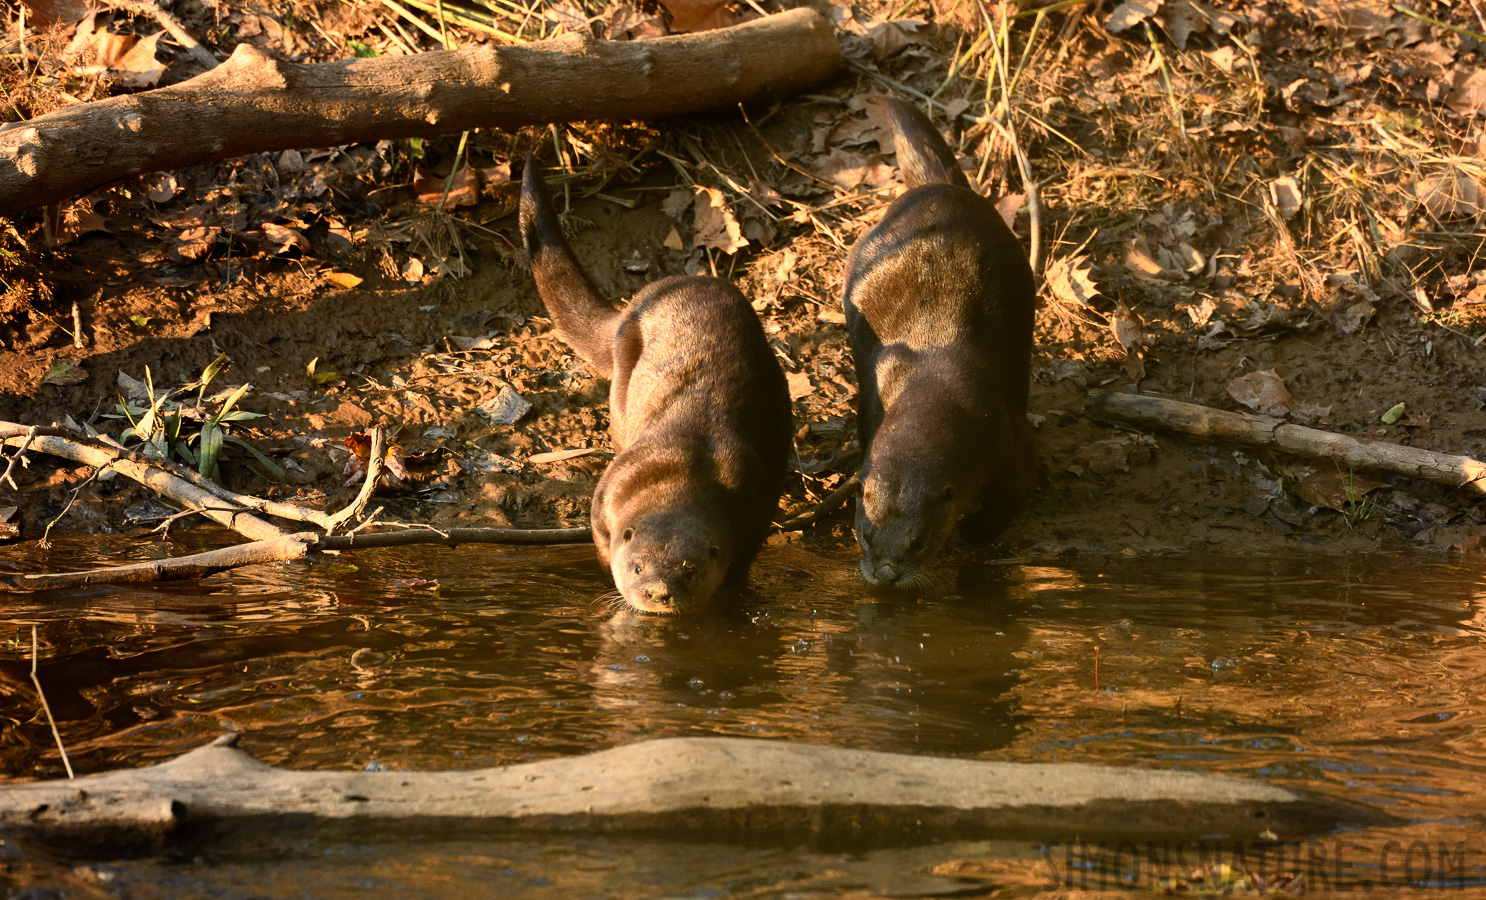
681	786
253	103
1219	425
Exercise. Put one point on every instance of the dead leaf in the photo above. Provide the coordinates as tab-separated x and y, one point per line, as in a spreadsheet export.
673	240
892	37
162	188
1467	91
1127	329
1452	195
1264	392
138	67
42	14
507	408
568	17
1131	13
64	372
698	15
850	169
343	279
194	243
716	226
1181	19
463	188
799	385
412	270
1071	281
619	21
1138	260
1009	205
282	239
1286	194
1334	490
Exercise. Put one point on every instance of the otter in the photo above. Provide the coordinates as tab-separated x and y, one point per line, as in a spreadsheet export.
939	303
699	416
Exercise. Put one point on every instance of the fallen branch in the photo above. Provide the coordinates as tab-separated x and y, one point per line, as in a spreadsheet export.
146	472
275	508
1207	423
681	786
253	103
832	502
285	548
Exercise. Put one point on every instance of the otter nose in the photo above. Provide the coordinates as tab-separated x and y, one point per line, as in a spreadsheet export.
886	574
659	595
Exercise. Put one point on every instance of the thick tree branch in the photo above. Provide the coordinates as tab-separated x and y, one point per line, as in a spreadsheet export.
253	103
1266	431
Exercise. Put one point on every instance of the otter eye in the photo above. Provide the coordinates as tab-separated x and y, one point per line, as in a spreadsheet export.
639	568
948	493
628	533
713	552
916	544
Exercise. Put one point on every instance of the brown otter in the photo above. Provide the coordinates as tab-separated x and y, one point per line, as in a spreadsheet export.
939	302
699	415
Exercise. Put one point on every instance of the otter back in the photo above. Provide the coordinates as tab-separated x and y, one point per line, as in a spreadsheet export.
939	302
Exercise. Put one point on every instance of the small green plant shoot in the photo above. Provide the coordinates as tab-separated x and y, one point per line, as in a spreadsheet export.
195	432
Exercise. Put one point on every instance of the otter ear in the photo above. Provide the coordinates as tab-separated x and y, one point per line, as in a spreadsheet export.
948	493
628	533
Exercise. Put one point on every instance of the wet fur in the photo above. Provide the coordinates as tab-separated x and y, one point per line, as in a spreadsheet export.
939	302
699	416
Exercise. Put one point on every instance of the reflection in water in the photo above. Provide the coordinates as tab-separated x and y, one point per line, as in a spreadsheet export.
1358	677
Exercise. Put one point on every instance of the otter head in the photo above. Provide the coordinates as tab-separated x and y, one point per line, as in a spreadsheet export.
664	566
904	517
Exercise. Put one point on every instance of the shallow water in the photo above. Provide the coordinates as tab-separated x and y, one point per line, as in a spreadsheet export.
1363	678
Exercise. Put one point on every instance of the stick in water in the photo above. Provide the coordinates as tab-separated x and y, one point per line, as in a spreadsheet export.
45	708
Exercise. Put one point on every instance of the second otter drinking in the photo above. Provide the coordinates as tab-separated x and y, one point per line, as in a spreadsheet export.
699	415
939	303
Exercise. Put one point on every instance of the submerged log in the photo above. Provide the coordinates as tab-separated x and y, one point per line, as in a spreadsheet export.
680	786
253	103
1221	426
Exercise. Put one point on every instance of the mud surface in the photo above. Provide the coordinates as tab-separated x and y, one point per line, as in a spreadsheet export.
430	353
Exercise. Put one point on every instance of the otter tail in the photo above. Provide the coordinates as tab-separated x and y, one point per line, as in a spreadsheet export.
923	156
583	318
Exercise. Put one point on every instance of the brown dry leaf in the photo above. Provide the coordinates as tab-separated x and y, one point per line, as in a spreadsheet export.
568	17
1127	328
799	385
64	371
41	14
1334	490
163	188
1467	91
673	240
463	191
343	279
282	239
1009	205
1264	392
138	67
619	21
1138	259
494	177
1181	19
891	38
1106	457
698	15
852	169
394	458
716	226
1071	281
1287	196
195	242
1452	195
1131	13
109	48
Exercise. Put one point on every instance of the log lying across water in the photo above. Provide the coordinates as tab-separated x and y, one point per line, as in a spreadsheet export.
1206	423
686	787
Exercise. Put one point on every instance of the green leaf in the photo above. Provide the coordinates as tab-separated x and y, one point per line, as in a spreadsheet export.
228	403
240	415
415	148
211	448
139	321
213	370
276	473
364	51
1393	415
57	370
327	377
